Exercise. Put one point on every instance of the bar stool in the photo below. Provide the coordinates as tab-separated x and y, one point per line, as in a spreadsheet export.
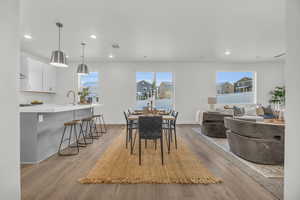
87	129
72	125
100	119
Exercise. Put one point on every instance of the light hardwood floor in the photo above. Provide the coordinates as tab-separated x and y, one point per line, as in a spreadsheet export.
56	178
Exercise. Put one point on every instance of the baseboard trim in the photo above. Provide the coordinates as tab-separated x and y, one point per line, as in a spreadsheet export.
187	122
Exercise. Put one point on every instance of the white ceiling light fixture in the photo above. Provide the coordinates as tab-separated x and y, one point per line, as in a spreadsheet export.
111	56
27	36
82	68
227	52
93	36
58	57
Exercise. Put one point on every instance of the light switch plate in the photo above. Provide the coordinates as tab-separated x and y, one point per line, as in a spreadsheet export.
41	118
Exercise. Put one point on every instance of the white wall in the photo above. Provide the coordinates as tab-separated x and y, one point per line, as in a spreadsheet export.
292	76
9	118
194	82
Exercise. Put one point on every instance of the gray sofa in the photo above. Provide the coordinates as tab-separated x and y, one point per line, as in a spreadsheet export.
257	142
213	124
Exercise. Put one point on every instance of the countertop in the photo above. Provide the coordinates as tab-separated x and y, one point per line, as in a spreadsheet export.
53	108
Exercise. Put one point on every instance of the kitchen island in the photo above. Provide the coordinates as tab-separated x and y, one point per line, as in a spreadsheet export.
41	127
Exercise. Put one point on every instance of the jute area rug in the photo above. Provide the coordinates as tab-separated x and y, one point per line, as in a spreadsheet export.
118	166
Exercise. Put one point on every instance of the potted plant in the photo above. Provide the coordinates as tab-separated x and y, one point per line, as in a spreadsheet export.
278	95
83	94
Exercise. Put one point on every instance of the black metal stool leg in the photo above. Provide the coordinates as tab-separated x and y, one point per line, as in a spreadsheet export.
71	125
62	139
76	139
70	135
87	131
104	125
84	144
84	134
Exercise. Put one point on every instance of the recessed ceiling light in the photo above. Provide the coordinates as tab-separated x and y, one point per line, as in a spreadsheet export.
27	36
93	36
111	56
227	53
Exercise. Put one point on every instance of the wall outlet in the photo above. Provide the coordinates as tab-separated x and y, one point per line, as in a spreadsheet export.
41	118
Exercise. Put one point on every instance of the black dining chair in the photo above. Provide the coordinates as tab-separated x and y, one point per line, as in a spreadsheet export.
150	128
130	125
170	128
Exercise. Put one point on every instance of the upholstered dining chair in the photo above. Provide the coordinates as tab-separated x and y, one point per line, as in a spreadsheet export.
150	128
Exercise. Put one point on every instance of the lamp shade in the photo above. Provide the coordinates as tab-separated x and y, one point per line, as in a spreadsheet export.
58	59
212	100
82	69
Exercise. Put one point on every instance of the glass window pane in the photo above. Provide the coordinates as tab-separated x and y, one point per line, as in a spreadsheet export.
90	81
164	84
156	87
235	87
144	85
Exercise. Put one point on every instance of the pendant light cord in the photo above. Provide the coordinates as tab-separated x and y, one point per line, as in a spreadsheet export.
59	25
82	57
59	29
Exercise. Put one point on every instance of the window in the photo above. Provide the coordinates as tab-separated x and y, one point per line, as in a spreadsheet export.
236	87
90	81
156	86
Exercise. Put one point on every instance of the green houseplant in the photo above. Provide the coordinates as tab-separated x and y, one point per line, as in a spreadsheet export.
83	94
278	95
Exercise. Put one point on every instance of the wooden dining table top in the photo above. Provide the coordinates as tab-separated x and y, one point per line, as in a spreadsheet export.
165	117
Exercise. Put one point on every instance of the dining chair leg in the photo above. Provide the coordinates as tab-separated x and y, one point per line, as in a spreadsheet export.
162	150
169	146
145	143
167	138
131	141
126	136
155	144
175	137
140	151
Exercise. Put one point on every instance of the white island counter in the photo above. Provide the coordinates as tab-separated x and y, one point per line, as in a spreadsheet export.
51	108
41	127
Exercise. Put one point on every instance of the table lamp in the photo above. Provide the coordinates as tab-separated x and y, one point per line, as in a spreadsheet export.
211	102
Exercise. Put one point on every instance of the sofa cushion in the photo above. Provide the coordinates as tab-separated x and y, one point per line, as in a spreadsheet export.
238	111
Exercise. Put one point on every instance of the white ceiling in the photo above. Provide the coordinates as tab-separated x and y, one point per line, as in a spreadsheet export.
167	30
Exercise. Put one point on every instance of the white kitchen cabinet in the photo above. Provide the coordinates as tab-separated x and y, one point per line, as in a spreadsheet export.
49	78
36	76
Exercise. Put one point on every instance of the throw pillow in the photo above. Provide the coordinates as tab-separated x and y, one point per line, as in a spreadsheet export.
237	111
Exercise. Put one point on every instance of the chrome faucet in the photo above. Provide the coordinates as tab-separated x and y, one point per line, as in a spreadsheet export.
74	96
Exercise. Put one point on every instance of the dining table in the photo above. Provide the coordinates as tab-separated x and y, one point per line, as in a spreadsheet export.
133	118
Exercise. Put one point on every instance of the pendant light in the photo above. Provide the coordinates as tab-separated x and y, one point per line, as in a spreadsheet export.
82	68
58	57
